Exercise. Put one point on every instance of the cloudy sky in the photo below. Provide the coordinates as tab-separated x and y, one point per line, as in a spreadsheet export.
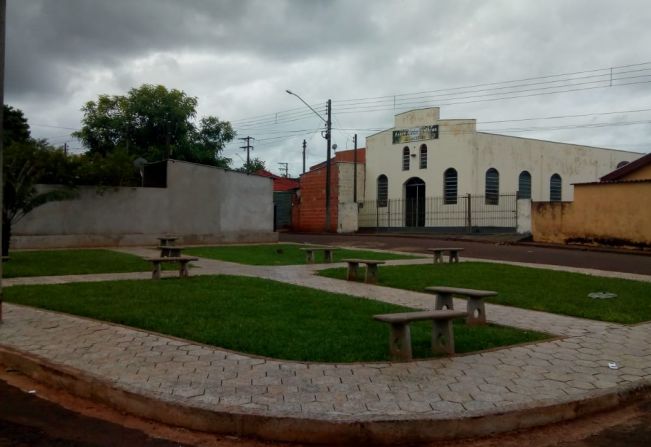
582	68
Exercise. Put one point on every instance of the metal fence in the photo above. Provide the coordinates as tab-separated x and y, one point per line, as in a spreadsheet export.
461	213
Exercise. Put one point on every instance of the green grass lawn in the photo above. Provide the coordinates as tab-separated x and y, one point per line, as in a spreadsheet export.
530	288
280	254
253	315
71	262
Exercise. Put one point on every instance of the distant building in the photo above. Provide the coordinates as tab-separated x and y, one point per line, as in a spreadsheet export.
284	193
308	213
442	173
614	211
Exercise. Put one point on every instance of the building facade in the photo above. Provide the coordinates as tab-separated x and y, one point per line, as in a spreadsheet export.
432	172
347	171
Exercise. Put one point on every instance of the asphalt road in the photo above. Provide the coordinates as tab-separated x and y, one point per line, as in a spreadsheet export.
491	248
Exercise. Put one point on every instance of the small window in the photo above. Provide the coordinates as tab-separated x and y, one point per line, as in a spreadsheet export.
621	164
555	188
492	187
382	190
450	186
423	157
524	185
405	158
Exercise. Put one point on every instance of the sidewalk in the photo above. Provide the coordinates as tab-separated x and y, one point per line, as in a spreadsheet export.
193	385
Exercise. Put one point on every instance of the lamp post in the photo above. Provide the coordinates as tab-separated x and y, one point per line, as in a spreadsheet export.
328	132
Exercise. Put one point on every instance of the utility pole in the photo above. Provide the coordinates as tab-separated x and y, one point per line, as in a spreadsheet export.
304	146
355	170
327	185
248	148
284	168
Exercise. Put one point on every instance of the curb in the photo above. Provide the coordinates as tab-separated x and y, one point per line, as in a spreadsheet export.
346	430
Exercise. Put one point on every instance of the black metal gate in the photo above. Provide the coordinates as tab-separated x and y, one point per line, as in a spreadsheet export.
467	213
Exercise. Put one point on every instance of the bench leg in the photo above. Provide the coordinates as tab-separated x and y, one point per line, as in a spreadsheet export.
155	274
183	271
352	271
309	257
476	312
400	342
327	254
371	274
442	337
454	257
444	301
438	258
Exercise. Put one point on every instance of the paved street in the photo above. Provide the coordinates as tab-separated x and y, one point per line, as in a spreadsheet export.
493	249
178	372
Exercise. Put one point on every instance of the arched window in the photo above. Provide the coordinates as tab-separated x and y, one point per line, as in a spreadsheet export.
621	164
555	188
524	185
405	158
382	190
423	156
492	187
450	186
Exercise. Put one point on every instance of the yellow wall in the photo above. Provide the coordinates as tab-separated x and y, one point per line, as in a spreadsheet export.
643	173
600	212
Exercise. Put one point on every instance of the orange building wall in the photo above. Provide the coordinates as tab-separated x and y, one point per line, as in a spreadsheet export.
309	213
605	213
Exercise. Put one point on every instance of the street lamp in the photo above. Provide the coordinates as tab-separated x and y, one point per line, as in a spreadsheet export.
328	123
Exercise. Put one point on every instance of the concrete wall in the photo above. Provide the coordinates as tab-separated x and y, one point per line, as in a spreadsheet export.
607	213
524	216
201	204
472	153
347	215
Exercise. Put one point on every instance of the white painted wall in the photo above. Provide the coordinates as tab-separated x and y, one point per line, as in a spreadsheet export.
472	153
201	204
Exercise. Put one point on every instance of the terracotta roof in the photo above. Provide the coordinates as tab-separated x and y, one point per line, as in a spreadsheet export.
614	182
280	183
617	174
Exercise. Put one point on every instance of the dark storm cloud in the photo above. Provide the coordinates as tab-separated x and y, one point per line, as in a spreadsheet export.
47	39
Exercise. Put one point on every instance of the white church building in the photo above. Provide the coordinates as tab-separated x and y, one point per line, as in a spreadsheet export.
443	173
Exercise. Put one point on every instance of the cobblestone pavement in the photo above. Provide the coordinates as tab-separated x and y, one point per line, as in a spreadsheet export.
177	371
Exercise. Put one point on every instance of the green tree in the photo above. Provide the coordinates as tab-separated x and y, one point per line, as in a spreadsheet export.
26	164
253	165
15	126
155	123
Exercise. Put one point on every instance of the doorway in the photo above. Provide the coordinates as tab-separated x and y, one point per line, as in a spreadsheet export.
415	202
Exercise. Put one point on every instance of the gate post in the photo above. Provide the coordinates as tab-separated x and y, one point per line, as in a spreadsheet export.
469	212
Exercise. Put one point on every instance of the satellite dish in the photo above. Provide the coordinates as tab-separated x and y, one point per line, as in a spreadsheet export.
334	147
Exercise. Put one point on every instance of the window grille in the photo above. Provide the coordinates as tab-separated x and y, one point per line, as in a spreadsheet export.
492	187
555	188
405	159
382	190
450	186
524	185
423	157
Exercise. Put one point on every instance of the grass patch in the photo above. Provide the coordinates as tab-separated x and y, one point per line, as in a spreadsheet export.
280	254
72	262
253	315
530	288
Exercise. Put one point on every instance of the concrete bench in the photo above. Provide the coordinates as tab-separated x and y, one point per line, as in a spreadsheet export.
400	337
371	269
452	252
475	299
170	251
167	240
309	253
181	260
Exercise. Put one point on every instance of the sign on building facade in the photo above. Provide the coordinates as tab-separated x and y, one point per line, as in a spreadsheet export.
416	134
